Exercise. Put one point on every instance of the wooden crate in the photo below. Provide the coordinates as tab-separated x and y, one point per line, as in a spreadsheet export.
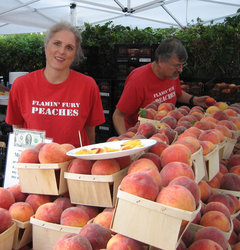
7	237
149	222
198	165
211	161
226	151
94	190
45	179
23	234
45	234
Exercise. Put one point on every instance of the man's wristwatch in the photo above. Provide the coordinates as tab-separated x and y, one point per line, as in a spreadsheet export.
191	100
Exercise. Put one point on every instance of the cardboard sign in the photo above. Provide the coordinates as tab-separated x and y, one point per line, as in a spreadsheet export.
18	141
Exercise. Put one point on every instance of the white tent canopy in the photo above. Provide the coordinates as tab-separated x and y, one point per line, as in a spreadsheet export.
25	16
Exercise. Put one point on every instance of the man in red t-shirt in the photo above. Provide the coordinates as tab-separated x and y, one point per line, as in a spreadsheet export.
156	81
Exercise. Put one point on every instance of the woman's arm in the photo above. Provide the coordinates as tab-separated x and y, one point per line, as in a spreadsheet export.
91	134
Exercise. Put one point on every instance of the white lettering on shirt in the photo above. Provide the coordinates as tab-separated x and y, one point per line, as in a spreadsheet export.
165	95
55	108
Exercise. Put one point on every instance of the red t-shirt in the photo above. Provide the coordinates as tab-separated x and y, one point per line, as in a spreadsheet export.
143	87
59	109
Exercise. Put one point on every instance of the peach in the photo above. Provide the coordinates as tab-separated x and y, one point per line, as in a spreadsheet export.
74	217
142	163
233	238
192	141
175	169
170	120
189	118
212	109
6	219
177	196
180	129
160	137
197	114
80	166
49	212
220	115
104	218
193	131
72	241
165	106
147	113
39	145
29	155
153	173
97	235
230	181
6	198
176	114
236	121
68	147
210	135
124	161
186	124
36	200
17	193
160	114
221	105
91	211
21	211
105	167
236	201
210	101
234	160
220	133
225	130
190	184
223	168
152	105
158	148
209	119
212	233
183	111
197	219
169	132
63	202
231	112
153	157
146	129
229	124
176	152
188	237
207	147
140	184
205	190
52	153
186	108
236	246
217	206
202	125
214	182
216	219
119	241
235	169
226	200
205	244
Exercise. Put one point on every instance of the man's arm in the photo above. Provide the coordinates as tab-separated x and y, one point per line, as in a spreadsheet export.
118	121
196	100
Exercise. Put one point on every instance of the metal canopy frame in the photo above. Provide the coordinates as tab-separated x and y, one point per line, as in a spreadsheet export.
110	10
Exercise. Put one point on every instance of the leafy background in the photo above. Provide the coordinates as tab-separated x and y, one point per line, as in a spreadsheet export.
214	51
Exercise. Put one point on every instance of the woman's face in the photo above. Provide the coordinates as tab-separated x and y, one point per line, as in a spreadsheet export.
60	50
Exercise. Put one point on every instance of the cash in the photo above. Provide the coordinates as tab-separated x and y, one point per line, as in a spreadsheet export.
26	138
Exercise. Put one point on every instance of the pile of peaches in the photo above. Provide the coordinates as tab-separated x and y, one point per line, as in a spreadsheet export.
164	174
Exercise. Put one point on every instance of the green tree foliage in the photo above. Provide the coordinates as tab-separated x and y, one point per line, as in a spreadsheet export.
214	50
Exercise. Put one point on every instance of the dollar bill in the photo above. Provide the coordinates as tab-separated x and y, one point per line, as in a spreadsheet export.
25	138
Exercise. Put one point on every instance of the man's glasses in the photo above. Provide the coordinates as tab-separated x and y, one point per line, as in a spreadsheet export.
179	66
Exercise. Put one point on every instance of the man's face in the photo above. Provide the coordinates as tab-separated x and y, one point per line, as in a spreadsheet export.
172	68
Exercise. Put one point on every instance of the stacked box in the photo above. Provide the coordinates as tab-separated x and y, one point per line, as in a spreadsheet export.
45	234
23	234
149	222
94	190
42	178
7	237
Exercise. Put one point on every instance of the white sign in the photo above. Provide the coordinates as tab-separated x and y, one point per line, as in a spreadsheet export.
18	141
